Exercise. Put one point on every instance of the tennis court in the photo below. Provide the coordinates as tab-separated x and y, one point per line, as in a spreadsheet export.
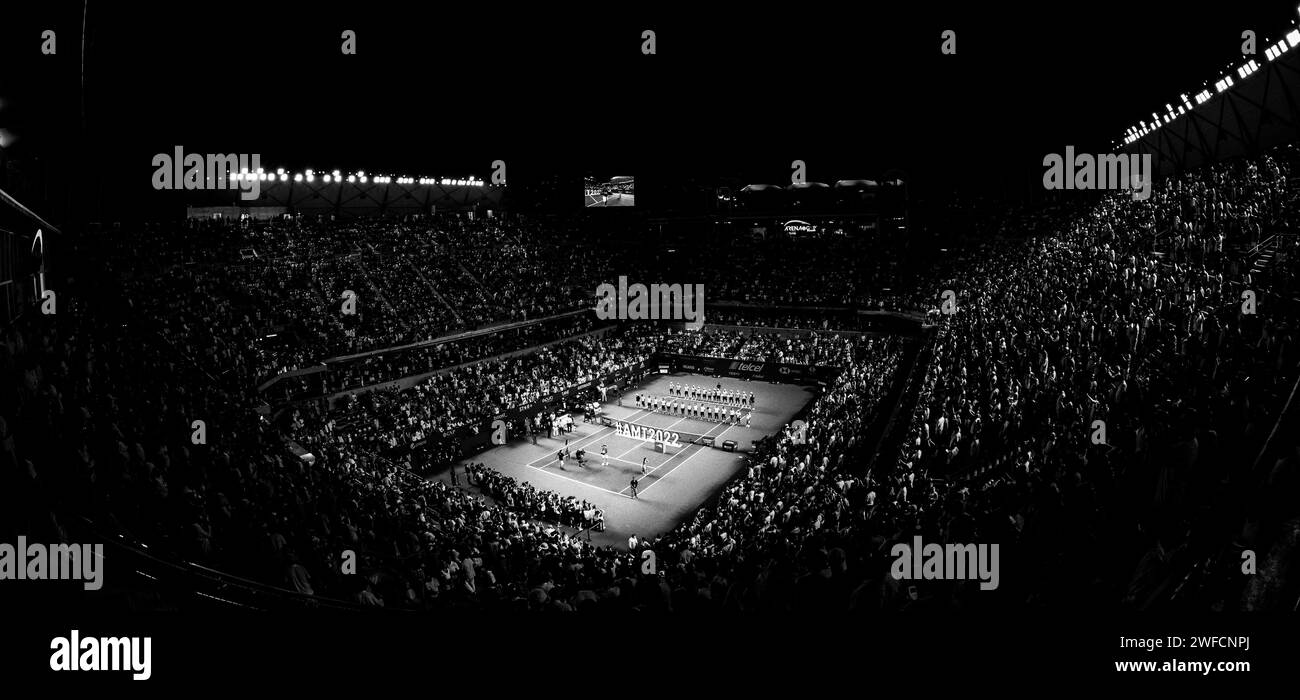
675	481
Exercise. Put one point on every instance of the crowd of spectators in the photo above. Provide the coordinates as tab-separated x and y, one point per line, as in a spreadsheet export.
1126	312
531	501
814	349
1130	314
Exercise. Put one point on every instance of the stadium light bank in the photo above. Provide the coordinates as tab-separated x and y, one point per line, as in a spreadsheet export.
1245	70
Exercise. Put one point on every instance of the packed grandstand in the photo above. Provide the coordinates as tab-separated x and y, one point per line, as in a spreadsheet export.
328	428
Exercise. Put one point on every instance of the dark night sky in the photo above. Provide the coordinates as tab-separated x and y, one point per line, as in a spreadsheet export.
444	89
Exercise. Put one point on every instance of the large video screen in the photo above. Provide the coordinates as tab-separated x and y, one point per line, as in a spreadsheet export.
616	191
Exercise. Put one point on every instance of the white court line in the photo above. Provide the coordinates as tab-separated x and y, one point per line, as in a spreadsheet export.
582	442
670	471
561	476
627	461
602	488
658	467
724	430
612	459
684	461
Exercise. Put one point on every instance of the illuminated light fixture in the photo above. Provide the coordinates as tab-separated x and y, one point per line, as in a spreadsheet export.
327	178
284	177
234	176
352	178
336	174
363	179
297	178
1293	37
279	171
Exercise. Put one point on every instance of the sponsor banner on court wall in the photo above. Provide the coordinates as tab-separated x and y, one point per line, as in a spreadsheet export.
751	369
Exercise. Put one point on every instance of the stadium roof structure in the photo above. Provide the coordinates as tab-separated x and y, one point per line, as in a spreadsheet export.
1247	115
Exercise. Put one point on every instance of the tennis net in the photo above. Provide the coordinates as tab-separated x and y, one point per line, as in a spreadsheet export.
671	437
